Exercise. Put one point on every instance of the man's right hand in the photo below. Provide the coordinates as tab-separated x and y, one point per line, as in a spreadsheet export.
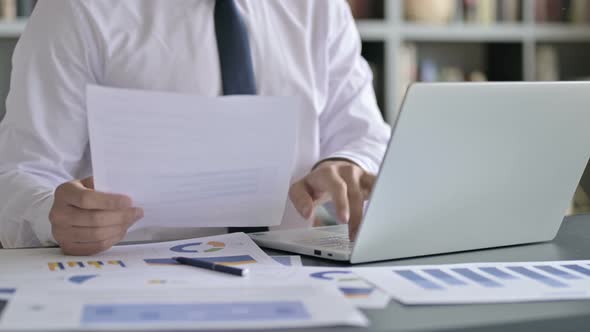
85	222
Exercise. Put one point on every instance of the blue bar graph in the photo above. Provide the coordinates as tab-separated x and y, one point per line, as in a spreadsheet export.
418	279
476	277
537	276
496	272
578	268
557	272
485	282
445	277
194	312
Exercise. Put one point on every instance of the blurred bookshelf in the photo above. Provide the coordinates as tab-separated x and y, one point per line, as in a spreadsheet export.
13	19
478	40
432	40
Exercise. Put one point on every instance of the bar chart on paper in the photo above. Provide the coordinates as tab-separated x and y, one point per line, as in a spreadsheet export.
484	282
202	312
95	264
359	292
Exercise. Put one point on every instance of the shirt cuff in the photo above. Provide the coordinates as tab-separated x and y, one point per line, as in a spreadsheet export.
362	162
38	218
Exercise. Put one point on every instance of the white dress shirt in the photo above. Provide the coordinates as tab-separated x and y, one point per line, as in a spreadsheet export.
307	48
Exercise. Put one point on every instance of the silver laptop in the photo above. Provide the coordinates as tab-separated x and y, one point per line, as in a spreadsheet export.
469	166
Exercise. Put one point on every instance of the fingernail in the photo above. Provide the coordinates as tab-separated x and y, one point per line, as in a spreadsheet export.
345	217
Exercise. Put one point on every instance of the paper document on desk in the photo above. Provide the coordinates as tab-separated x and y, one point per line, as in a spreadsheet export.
233	249
356	290
203	308
192	161
483	282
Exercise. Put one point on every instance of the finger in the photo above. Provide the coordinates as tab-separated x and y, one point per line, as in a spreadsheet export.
89	235
354	225
89	249
352	176
356	202
302	199
103	218
367	184
74	193
335	186
88	182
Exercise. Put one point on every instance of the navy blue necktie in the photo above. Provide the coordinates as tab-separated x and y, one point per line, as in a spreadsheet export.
235	60
237	73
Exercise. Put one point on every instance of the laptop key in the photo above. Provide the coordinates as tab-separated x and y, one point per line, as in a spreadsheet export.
332	242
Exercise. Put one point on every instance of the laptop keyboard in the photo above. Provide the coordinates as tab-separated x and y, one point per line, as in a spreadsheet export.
335	242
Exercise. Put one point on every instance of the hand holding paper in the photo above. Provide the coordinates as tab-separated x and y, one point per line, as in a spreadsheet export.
86	222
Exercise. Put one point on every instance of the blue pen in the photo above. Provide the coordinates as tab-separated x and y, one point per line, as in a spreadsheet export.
211	266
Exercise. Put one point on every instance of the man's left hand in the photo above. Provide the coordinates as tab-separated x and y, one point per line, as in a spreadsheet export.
344	183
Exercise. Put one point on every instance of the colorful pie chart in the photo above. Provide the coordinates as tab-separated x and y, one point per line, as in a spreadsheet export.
194	247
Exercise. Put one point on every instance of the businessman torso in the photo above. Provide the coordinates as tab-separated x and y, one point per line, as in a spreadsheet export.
306	48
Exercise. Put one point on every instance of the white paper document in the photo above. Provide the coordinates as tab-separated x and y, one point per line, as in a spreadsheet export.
192	161
483	282
233	249
139	287
179	309
356	290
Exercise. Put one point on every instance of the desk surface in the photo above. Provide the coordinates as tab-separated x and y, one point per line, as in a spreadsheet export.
572	242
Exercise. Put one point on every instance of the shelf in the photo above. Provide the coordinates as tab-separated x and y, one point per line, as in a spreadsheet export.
12	28
548	32
387	33
373	30
464	33
379	30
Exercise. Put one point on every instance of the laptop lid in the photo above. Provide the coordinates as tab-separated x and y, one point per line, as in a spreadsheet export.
474	166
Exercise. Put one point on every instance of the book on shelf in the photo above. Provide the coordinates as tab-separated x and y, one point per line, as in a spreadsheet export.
492	11
564	11
408	64
430	11
547	64
416	69
486	12
365	9
483	12
11	9
509	10
431	71
580	11
8	9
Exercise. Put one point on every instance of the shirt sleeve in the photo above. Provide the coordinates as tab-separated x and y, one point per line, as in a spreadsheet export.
43	136
351	126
